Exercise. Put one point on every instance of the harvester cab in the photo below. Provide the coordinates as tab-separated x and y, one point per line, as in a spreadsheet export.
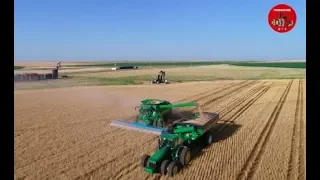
154	115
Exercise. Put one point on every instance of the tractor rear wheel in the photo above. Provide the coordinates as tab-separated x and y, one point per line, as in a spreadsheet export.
173	168
144	160
184	156
164	167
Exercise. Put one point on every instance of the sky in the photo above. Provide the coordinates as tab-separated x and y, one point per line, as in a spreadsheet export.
102	30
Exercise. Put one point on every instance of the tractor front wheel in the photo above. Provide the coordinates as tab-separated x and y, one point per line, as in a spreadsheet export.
184	156
164	167
144	160
173	168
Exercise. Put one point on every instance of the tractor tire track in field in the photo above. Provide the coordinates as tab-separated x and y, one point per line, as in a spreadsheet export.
218	91
225	111
239	112
296	142
227	94
205	94
252	162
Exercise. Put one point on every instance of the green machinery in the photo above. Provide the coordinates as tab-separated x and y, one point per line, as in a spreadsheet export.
177	144
154	115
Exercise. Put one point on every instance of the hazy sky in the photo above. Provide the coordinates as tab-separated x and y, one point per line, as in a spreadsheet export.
76	30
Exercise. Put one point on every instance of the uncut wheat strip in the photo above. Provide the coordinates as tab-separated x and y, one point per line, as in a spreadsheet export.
220	152
275	160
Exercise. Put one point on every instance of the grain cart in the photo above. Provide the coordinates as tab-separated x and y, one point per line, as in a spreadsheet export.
153	116
176	146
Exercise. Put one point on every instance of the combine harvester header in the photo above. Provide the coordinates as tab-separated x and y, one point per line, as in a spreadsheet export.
153	116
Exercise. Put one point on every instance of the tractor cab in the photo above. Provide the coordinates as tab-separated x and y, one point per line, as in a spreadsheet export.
169	140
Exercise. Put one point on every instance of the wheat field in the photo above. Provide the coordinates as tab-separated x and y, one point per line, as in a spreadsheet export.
65	133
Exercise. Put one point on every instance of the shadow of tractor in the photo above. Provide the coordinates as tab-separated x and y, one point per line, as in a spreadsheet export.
220	132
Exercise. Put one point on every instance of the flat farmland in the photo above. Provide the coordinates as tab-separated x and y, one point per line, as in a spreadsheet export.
65	134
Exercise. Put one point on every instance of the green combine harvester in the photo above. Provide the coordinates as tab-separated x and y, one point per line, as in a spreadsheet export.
177	145
154	116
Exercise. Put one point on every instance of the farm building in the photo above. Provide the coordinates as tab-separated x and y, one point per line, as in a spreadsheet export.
35	76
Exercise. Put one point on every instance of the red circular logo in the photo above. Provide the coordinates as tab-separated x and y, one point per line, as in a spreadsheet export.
282	18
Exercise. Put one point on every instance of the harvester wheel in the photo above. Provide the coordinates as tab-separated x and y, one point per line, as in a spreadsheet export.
173	168
209	139
144	160
164	167
184	156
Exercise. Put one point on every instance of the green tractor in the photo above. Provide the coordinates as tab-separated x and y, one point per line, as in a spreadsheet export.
177	145
156	113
